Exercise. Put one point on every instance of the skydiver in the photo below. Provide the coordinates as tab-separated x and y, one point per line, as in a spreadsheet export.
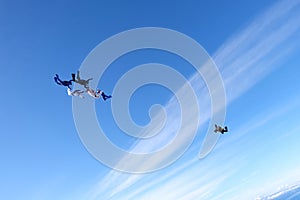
97	94
80	81
63	83
220	129
75	93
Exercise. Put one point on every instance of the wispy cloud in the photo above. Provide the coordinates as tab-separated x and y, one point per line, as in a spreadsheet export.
246	58
251	54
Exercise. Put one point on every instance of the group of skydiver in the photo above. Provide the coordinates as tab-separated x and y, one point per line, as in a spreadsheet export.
85	83
96	94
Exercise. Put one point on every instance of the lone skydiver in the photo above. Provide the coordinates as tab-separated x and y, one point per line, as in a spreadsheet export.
63	83
220	129
80	81
75	93
97	94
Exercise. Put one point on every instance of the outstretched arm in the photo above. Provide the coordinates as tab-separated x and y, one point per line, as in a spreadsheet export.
57	80
216	128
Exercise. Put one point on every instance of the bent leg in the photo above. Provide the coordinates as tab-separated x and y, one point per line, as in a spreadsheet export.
73	77
86	83
104	96
78	76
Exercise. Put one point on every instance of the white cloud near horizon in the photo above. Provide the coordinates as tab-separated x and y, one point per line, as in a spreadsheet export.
245	59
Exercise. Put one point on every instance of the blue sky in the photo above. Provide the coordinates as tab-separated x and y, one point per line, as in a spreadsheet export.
255	46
